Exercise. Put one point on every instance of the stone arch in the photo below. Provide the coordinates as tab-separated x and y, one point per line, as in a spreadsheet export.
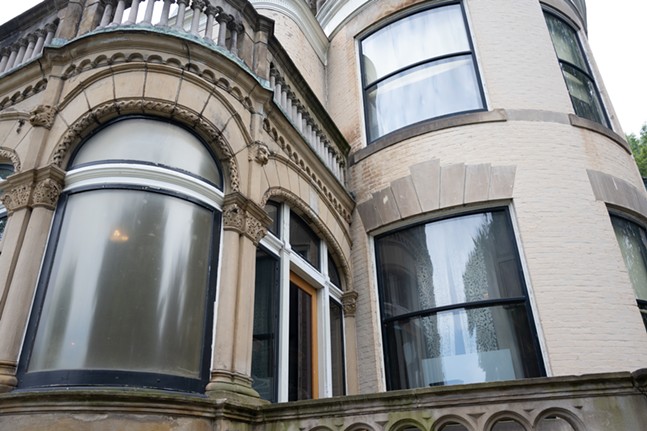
80	129
304	210
405	424
564	414
509	415
321	428
11	156
360	427
452	419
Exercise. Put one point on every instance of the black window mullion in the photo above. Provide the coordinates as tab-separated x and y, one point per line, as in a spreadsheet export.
414	65
459	306
579	69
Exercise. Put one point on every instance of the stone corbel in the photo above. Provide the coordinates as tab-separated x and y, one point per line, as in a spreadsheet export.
244	216
43	116
349	303
34	188
259	152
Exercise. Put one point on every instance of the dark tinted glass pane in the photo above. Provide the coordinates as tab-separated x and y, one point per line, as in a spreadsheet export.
584	95
337	349
554	423
458	260
3	225
453	427
303	240
5	170
643	312
128	286
333	272
461	346
420	93
399	44
272	210
152	141
265	338
565	42
633	245
300	367
507	425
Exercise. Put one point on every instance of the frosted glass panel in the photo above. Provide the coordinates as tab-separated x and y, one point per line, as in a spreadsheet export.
150	141
423	36
128	286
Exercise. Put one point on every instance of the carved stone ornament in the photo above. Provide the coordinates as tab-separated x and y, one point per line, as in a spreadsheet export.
349	302
8	154
233	218
43	116
254	229
46	193
260	152
17	197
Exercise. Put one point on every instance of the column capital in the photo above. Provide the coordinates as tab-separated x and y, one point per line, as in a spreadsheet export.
349	303
244	216
34	188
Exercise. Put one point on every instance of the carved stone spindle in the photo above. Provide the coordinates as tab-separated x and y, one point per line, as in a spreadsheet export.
235	28
108	7
223	19
284	97
31	43
40	34
289	103
197	6
119	13
134	10
166	10
300	120
181	11
22	43
4	54
12	57
50	28
211	12
148	14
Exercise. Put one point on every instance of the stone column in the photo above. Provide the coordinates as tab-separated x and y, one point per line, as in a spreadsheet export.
50	29
166	8
4	53
119	12
148	15
349	303
197	6
40	42
134	10
244	224
22	43
30	200
181	10
222	19
211	12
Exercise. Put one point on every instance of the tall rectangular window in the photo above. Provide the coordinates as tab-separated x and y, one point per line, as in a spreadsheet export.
577	73
454	305
417	68
633	244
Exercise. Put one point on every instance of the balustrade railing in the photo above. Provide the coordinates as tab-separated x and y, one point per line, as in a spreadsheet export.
211	20
29	45
307	124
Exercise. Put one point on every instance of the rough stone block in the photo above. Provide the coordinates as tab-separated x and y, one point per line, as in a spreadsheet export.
426	181
452	185
405	197
502	182
477	182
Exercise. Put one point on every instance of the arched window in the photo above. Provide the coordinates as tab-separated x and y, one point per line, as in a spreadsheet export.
298	341
126	293
6	169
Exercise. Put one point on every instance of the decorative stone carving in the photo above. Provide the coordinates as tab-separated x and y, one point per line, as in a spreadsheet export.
46	193
43	116
8	154
259	152
349	303
233	218
17	197
254	229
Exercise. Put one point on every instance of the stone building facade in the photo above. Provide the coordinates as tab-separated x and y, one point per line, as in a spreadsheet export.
316	215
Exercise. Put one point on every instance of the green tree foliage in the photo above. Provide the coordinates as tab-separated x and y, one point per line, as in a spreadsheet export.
638	146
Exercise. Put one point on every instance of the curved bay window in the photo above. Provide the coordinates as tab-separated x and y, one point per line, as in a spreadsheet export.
632	240
127	290
417	68
298	342
454	305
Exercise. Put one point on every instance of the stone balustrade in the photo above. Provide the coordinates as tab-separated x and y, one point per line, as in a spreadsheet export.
307	124
213	21
28	46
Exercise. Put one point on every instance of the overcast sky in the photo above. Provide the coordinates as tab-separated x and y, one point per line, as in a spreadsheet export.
617	37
